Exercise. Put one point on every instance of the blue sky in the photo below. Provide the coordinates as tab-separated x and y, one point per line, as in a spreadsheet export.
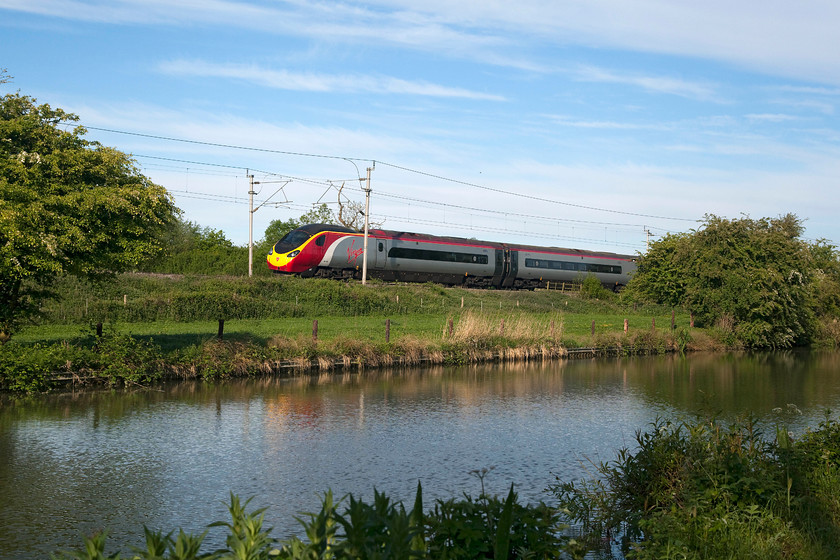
551	122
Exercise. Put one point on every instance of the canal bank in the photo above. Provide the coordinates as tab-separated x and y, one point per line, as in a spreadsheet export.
122	359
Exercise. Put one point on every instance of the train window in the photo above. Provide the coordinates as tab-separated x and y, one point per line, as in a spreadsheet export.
321	240
291	240
381	247
430	255
579	266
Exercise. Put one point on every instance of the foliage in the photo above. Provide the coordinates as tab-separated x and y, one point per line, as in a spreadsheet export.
114	358
591	288
750	277
382	530
704	490
825	261
69	206
192	249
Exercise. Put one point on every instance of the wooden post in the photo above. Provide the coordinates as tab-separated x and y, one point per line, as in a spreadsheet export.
462	302
691	320
552	329
387	330
653	323
125	300
315	330
593	328
221	333
450	328
626	326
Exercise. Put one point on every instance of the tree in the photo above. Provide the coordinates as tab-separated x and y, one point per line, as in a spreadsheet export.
351	213
69	206
192	249
751	276
825	261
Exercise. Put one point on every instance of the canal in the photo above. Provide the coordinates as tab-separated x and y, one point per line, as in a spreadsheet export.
170	456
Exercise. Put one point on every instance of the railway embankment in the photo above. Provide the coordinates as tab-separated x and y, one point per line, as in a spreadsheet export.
142	329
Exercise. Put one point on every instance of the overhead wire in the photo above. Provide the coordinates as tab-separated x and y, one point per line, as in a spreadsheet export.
352	160
380	192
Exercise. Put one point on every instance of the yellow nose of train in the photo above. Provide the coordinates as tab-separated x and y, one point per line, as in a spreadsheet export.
280	261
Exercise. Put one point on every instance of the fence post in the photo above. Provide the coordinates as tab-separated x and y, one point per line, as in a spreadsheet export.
125	300
462	302
221	333
387	330
450	328
315	330
552	329
593	327
653	323
691	320
626	326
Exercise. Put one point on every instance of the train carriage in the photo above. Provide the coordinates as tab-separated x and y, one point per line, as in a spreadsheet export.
336	252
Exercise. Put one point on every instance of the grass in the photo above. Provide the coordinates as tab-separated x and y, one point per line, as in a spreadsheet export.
167	327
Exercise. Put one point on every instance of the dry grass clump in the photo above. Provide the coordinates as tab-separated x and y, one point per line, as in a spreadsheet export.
481	329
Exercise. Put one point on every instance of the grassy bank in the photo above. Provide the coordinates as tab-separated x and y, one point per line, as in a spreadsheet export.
155	327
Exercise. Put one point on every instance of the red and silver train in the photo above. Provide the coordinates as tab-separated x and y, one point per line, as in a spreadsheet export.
328	251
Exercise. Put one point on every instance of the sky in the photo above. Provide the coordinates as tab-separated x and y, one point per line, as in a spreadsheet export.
591	124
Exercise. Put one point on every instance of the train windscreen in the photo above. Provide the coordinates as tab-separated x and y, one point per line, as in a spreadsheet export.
291	241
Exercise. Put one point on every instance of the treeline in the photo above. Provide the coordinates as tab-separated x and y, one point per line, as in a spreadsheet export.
755	281
189	248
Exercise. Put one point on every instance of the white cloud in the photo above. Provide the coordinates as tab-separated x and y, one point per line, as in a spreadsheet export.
656	84
770	117
306	81
794	39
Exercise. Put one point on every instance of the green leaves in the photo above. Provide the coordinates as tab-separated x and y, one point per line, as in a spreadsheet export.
67	205
750	278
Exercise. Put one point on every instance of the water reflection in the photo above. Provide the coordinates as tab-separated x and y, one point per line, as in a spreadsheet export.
79	462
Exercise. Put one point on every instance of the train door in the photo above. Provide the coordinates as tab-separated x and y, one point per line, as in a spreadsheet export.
511	268
381	252
499	269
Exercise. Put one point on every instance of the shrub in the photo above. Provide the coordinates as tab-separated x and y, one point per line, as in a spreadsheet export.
704	490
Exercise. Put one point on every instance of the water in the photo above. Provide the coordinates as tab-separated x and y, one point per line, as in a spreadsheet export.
75	463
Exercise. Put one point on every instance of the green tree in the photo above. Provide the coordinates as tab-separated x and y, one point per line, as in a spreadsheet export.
69	206
750	276
825	261
192	249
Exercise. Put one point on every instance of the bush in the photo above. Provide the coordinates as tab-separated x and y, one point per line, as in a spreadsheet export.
704	490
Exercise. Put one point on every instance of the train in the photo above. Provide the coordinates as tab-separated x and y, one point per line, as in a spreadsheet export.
331	251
